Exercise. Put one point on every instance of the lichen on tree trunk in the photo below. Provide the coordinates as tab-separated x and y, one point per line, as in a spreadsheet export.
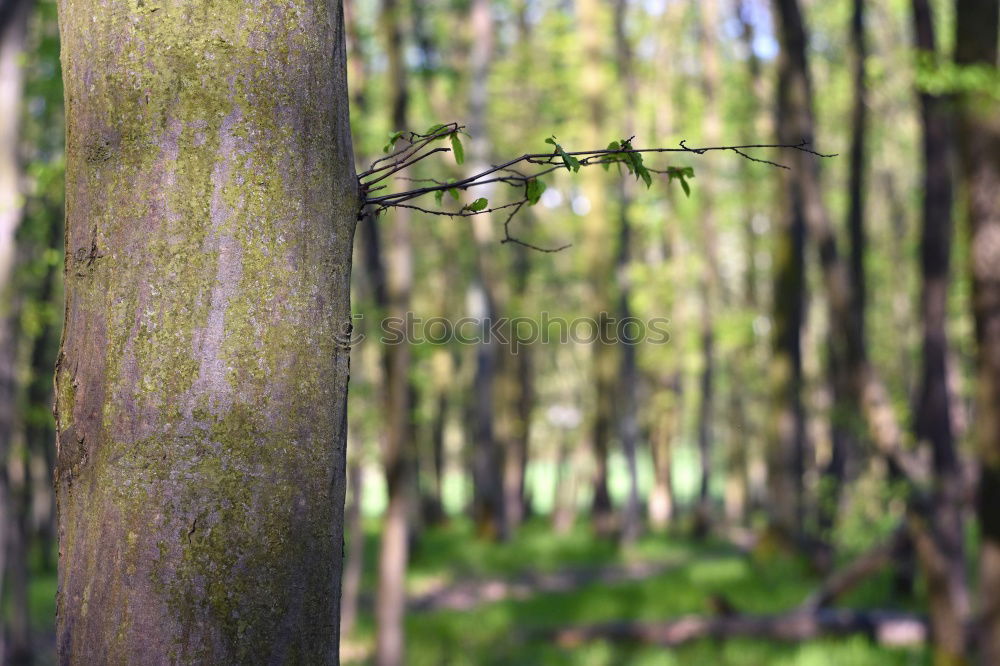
202	381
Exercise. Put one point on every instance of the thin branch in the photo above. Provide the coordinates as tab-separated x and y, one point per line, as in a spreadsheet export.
506	173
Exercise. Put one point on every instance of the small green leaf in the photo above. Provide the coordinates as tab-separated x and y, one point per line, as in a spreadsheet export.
614	145
533	191
438	196
457	148
479	204
643	173
434	129
454	193
685	187
570	162
391	142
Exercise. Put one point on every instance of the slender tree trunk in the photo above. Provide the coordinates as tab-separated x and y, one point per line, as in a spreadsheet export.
842	426
797	124
711	287
661	500
628	374
366	284
489	452
202	382
13	17
597	253
398	449
564	505
788	431
979	140
18	626
942	555
355	556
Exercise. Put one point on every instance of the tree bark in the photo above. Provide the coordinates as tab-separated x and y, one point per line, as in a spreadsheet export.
979	140
202	381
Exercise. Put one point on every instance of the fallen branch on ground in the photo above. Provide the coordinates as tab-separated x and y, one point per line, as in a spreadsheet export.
889	628
466	595
859	569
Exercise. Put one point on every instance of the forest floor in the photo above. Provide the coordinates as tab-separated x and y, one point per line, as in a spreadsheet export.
477	603
472	603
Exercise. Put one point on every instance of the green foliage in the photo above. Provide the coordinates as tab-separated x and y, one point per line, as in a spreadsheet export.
391	143
505	632
944	78
439	194
533	190
570	162
478	205
681	174
457	148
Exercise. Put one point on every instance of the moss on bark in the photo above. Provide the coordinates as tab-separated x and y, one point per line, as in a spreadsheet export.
201	393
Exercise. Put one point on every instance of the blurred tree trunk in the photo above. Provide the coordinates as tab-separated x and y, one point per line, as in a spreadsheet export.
18	625
944	563
489	451
353	526
597	255
628	374
979	138
13	27
518	368
787	445
662	434
843	424
355	556
710	283
201	385
398	444
564	510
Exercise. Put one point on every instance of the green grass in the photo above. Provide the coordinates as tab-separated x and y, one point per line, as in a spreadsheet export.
507	632
504	633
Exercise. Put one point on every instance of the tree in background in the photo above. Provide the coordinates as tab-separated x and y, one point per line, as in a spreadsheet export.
976	43
13	26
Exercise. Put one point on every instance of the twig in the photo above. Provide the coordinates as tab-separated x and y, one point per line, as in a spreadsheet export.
506	173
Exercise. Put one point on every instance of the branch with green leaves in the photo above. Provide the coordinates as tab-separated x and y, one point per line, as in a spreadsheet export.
405	149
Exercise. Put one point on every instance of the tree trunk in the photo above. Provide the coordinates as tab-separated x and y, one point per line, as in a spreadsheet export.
202	381
488	454
628	373
842	426
597	254
13	18
788	431
18	624
398	443
663	432
354	558
710	287
942	557
979	139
